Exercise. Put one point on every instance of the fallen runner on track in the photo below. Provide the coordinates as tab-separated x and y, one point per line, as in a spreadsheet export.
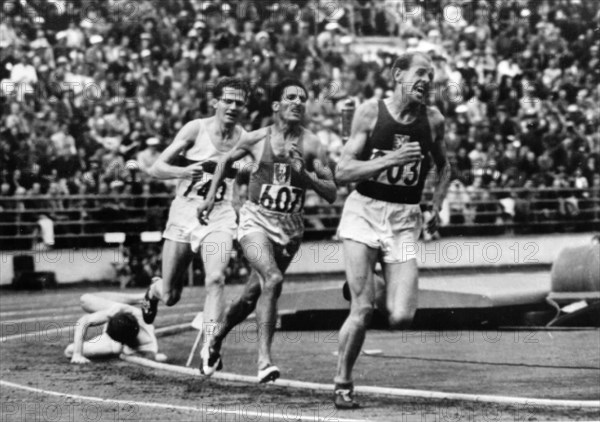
124	329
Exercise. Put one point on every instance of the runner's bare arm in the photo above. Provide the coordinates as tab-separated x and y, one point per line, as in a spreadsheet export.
163	169
94	302
86	321
321	178
352	169
438	152
244	147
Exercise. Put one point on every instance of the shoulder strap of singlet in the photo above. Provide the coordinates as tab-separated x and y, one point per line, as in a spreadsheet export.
383	113
301	141
267	152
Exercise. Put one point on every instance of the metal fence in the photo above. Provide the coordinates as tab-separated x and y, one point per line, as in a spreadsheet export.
82	220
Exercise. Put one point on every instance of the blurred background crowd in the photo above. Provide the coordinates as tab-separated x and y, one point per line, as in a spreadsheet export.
89	86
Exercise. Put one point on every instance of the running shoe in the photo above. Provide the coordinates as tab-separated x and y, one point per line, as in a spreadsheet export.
343	397
149	306
210	361
268	373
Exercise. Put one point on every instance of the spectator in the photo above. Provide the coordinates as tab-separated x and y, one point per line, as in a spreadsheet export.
24	76
478	157
504	125
330	140
117	122
529	84
63	143
456	207
149	155
528	165
45	231
476	108
464	167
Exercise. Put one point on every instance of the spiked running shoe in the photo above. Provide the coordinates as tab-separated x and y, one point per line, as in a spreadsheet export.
149	308
268	374
210	361
343	397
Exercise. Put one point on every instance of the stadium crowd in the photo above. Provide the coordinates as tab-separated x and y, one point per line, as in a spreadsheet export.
88	87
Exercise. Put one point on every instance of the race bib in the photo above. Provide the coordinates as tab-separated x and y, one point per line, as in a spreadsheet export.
199	189
281	198
402	175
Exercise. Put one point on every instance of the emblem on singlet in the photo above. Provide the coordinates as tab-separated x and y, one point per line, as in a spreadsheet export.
282	174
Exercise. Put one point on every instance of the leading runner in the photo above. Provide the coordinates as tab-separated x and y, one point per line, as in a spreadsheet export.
389	155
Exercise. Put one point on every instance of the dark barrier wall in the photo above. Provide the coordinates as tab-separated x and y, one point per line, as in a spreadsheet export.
577	269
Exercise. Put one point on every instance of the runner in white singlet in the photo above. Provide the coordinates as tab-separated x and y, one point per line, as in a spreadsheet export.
202	143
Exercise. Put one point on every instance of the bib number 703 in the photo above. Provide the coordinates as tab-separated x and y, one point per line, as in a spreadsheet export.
400	175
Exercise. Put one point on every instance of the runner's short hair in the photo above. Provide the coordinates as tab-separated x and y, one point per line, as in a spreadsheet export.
281	86
403	61
124	328
236	83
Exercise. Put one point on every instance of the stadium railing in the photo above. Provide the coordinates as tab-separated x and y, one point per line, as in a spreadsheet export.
82	220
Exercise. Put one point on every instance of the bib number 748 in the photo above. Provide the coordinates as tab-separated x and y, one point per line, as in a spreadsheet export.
202	191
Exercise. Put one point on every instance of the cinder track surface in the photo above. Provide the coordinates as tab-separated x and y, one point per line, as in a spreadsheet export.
36	327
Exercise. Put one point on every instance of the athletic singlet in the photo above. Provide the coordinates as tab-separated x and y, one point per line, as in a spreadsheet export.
275	185
398	184
203	150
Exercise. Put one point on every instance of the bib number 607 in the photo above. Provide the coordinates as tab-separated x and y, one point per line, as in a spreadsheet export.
281	198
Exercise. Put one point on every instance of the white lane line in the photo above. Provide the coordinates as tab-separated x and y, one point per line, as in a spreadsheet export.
56	311
56	331
377	391
37	311
269	414
56	318
329	286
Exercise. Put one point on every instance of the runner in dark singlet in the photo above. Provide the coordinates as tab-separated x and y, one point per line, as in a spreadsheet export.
388	155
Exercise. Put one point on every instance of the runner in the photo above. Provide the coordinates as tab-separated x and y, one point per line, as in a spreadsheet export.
202	142
289	160
389	155
124	329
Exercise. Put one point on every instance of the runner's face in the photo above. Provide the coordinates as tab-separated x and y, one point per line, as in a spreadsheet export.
292	104
416	80
230	105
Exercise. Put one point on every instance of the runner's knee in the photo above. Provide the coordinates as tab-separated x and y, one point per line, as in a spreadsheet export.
215	280
400	319
273	283
362	314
